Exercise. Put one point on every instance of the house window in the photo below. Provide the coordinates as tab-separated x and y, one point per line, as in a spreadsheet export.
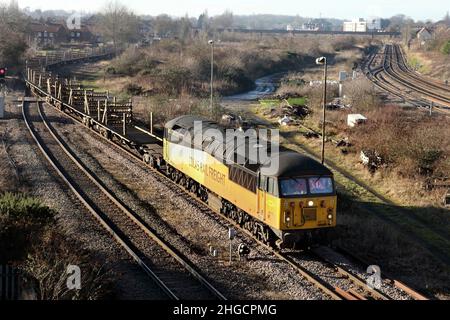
78	34
39	34
51	34
72	34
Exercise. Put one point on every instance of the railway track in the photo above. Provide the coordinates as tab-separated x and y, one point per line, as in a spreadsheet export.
429	82
395	77
169	270
397	71
380	79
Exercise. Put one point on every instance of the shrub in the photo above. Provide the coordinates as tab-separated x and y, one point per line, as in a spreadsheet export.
47	266
446	48
22	221
133	89
29	239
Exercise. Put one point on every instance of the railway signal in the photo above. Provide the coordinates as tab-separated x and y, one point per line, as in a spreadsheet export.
2	73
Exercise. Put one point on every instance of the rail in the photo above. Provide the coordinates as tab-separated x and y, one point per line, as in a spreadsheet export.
107	225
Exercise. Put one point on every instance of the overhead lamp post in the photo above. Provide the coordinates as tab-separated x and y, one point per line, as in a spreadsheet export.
211	43
323	61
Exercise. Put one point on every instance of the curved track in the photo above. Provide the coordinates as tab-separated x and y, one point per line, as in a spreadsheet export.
395	77
175	277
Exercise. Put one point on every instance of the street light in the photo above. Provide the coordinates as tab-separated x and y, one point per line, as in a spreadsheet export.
211	43
323	61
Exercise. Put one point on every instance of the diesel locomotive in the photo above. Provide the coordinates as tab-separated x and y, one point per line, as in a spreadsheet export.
291	202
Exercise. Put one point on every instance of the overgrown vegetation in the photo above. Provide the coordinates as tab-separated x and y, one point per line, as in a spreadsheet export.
172	68
413	145
31	240
172	76
445	49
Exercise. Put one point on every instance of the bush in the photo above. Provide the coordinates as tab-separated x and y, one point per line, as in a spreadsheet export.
22	222
29	239
412	142
446	48
133	89
47	266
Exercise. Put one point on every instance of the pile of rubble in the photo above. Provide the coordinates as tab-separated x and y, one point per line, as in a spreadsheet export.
288	114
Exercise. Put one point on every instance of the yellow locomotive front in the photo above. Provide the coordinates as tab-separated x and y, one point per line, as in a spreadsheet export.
298	198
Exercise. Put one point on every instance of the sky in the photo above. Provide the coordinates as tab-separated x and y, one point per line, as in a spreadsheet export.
343	9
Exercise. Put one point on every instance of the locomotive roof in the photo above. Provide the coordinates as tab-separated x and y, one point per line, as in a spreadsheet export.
290	164
294	164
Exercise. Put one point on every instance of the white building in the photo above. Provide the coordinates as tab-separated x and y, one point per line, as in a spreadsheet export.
359	25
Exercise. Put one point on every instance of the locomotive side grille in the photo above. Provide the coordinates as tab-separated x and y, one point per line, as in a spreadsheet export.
310	214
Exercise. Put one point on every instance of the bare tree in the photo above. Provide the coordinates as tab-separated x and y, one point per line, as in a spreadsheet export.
13	25
225	20
164	25
118	23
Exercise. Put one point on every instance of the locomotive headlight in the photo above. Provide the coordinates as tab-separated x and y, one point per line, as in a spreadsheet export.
287	217
330	217
311	203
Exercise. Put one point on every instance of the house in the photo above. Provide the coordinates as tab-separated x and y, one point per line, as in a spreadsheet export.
42	34
56	32
424	35
83	34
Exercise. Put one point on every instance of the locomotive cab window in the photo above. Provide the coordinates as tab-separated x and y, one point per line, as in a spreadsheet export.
321	185
293	187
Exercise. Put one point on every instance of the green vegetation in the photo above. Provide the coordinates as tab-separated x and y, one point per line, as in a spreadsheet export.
22	221
31	240
417	64
446	48
301	101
